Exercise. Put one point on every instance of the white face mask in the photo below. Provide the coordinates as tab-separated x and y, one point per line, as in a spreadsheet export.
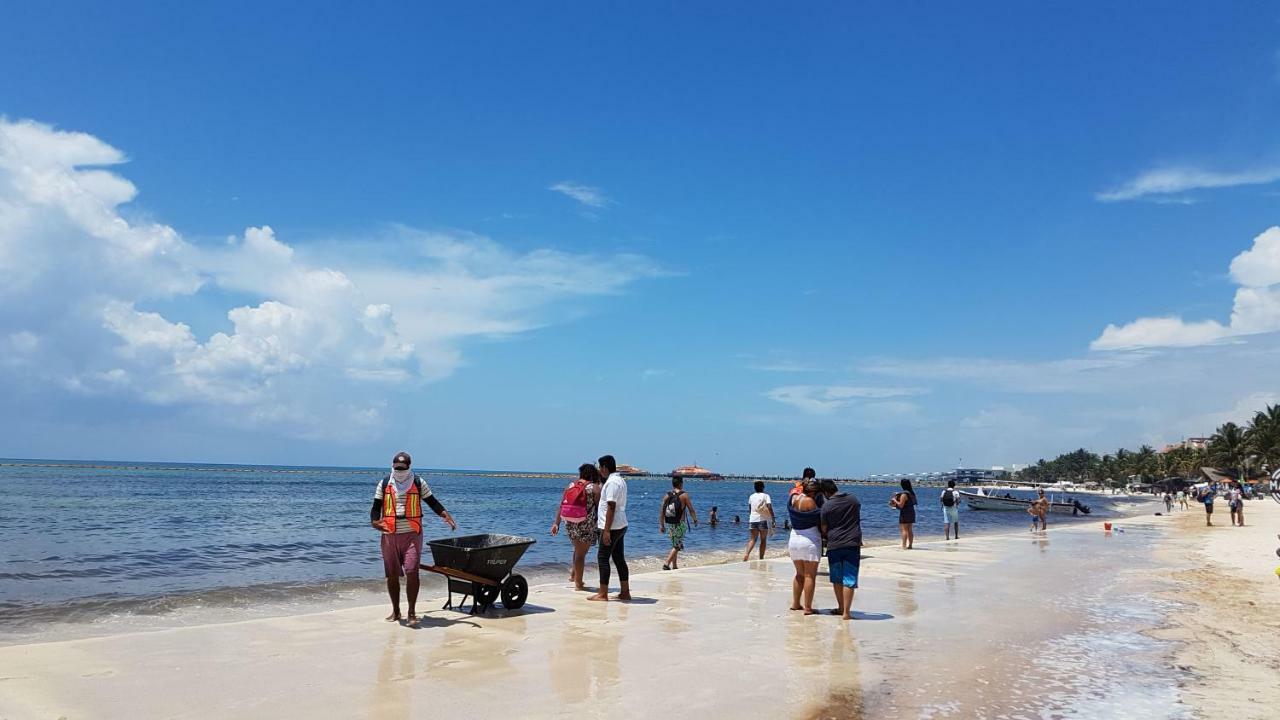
401	476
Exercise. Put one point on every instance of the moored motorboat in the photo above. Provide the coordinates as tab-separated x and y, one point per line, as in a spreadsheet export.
982	501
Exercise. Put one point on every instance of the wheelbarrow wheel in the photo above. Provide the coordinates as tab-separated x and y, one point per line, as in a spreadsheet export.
514	592
486	595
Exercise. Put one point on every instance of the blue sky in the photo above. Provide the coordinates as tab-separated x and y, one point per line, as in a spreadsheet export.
865	239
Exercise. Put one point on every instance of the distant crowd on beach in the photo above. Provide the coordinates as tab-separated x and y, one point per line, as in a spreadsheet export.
1233	491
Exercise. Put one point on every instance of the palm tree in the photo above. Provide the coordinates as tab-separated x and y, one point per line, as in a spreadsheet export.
1123	466
1227	447
1144	461
1263	435
1106	468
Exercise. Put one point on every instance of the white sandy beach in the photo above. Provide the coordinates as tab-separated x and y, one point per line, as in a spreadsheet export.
1229	629
1019	625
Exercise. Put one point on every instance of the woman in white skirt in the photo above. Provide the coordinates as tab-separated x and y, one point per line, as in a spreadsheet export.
805	544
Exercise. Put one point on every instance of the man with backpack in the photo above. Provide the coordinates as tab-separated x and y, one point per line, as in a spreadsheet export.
951	509
674	506
1206	497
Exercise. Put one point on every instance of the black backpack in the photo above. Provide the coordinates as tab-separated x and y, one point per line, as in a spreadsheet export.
673	508
949	497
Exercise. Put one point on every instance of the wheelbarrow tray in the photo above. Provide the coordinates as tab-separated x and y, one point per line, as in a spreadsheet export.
480	566
489	556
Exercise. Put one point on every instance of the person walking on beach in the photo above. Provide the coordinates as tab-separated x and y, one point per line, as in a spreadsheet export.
612	523
840	522
951	509
1168	502
905	503
1182	500
578	512
674	508
1206	497
805	544
760	520
1235	503
397	514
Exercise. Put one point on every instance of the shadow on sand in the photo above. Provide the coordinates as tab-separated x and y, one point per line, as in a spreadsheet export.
856	615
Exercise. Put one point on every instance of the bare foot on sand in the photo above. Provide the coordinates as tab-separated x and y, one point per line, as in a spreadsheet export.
393	617
413	620
598	597
623	597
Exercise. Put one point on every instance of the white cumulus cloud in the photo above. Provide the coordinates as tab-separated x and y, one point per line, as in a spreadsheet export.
1256	308
315	338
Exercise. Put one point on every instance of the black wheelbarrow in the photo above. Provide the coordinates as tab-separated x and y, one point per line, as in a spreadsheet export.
480	567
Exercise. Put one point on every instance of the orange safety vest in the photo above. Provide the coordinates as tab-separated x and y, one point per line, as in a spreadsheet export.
412	506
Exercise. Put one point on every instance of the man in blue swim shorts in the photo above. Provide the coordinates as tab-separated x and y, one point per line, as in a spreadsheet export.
841	523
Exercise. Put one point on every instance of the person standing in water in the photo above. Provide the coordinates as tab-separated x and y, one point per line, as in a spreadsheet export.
805	544
951	509
578	512
761	519
840	521
612	522
397	514
675	506
1042	509
905	503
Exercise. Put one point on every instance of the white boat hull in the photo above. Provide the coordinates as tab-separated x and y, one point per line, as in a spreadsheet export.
988	502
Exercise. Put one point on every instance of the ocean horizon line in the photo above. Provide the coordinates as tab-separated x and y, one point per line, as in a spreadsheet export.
100	464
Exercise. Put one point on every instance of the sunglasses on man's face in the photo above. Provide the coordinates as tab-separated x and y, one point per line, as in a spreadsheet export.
399	467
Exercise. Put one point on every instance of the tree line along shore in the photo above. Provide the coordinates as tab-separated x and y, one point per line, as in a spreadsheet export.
1247	452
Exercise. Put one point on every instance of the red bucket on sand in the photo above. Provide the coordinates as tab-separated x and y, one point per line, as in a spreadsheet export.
1106	526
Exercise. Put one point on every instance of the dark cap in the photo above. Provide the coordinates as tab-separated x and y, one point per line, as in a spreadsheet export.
402	458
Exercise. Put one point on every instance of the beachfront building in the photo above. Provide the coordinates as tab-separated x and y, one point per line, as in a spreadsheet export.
976	476
1191	443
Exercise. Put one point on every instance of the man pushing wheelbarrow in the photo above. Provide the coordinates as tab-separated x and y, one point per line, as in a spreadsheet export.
397	513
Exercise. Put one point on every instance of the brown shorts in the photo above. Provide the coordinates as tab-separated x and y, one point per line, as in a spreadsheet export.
401	553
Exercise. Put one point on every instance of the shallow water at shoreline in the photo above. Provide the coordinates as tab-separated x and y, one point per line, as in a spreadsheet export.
151	545
1045	625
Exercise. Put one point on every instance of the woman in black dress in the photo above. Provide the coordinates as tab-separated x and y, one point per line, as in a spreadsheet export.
905	502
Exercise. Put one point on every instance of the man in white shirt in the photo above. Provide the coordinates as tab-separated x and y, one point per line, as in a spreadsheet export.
612	522
760	520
